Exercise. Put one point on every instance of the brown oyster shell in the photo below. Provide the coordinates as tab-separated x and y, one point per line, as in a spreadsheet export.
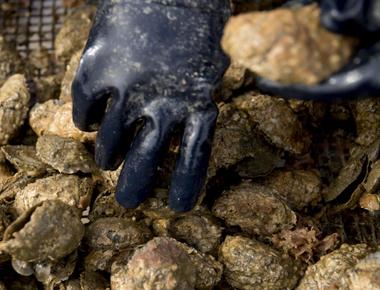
90	280
236	142
64	154
55	118
116	233
367	117
70	189
270	116
287	45
202	232
364	275
14	101
330	268
74	32
160	264
250	264
299	188
50	230
68	78
208	270
47	87
255	209
24	159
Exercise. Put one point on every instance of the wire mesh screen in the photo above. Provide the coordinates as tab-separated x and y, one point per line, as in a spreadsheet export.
31	24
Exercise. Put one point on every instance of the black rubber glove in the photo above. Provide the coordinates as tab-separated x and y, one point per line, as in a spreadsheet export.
361	77
159	61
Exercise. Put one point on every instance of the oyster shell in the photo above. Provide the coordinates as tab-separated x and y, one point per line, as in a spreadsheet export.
287	45
14	102
160	264
250	264
70	189
64	154
48	231
256	209
330	268
55	118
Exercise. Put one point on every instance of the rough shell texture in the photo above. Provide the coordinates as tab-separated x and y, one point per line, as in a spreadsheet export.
64	154
14	99
234	78
92	281
5	172
250	264
199	231
105	205
73	34
294	139
70	189
330	268
208	270
256	209
4	220
25	160
286	45
102	260
10	61
41	60
299	188
71	69
160	264
108	179
116	233
11	185
52	230
235	141
47	87
55	118
365	274
372	181
52	273
367	117
351	173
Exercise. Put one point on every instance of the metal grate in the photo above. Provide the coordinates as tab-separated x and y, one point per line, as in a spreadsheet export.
31	24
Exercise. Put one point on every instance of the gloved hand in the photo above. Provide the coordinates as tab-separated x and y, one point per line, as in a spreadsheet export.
361	77
159	62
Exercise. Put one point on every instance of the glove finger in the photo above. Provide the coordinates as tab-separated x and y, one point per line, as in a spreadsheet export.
88	106
191	168
137	176
357	82
114	137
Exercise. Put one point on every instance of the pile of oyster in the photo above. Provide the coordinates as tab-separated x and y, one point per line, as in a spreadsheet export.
292	193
